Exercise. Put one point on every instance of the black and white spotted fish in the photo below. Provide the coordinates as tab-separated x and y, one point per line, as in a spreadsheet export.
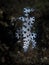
28	23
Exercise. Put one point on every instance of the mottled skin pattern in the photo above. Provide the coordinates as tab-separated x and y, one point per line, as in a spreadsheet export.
28	22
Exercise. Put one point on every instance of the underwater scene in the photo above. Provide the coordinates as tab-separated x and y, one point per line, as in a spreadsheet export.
24	32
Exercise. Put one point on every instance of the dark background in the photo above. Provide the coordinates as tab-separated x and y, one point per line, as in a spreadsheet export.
11	52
